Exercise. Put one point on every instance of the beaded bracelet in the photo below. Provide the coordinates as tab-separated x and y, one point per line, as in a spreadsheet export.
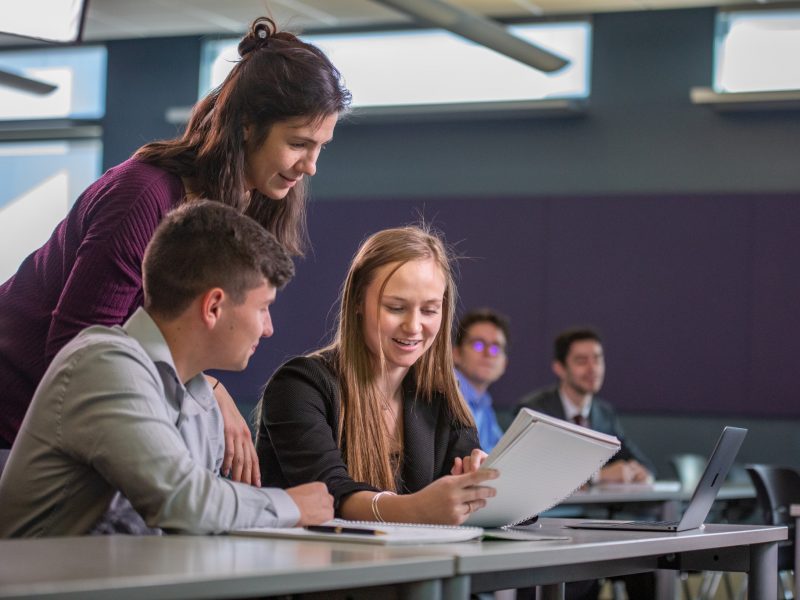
375	512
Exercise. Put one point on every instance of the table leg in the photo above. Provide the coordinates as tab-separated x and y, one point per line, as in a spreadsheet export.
667	579
797	556
554	591
456	588
422	590
666	584
762	579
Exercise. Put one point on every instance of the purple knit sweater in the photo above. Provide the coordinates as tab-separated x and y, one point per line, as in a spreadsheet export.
88	272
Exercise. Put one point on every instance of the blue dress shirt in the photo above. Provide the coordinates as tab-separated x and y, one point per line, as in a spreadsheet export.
489	431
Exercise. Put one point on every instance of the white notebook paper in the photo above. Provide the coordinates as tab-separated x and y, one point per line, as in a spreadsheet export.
541	461
375	533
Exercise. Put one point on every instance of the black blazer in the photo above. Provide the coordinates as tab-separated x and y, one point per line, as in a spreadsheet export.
602	418
296	438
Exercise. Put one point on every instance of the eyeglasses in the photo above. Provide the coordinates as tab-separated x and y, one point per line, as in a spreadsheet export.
481	346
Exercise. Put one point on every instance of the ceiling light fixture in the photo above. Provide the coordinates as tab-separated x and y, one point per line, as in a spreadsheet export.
478	28
42	20
25	84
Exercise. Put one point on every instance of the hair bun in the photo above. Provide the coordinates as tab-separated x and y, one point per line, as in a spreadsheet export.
259	35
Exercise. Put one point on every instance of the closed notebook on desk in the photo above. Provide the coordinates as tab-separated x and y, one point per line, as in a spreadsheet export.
541	461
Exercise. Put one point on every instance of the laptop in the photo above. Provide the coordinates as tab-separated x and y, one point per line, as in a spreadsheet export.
704	494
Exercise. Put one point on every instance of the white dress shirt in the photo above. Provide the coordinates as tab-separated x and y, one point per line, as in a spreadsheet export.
571	411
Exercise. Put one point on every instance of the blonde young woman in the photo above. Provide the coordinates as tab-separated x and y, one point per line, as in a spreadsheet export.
377	415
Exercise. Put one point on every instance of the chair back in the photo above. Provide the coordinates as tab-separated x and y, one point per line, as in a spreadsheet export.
776	488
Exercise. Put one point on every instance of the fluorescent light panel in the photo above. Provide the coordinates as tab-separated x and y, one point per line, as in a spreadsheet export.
48	20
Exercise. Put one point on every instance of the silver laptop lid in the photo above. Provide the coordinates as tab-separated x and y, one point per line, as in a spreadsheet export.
713	477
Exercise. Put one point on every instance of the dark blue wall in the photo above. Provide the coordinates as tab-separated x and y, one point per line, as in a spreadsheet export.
640	133
670	227
145	77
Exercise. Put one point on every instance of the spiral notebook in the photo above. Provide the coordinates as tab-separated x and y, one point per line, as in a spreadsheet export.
541	460
367	532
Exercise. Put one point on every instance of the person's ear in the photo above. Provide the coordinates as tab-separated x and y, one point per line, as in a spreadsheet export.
456	355
559	370
212	306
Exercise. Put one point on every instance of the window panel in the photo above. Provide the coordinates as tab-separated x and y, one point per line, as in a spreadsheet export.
79	73
41	181
419	67
756	51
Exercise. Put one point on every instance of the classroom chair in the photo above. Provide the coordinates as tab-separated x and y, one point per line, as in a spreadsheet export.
776	489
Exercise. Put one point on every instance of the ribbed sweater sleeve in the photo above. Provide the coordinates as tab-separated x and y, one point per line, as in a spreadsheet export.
104	285
88	272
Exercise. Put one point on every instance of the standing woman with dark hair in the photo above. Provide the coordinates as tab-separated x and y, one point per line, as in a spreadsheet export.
249	143
377	415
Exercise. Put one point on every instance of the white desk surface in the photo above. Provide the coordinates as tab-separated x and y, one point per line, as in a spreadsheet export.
590	554
127	567
592	545
202	567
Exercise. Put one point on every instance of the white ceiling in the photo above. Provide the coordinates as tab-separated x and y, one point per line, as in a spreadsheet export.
116	19
123	19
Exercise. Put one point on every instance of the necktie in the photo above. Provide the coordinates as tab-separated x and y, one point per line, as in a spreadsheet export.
580	420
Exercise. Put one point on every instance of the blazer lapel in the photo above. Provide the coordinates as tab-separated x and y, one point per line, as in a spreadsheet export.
555	407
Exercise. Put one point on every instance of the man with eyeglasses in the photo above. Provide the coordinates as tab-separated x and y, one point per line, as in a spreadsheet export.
479	354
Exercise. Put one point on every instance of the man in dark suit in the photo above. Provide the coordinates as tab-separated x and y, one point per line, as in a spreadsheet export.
579	365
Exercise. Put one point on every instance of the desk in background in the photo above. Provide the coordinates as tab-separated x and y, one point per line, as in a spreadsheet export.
668	495
178	567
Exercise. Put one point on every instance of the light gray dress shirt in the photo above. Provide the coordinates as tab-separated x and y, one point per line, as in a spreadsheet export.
111	415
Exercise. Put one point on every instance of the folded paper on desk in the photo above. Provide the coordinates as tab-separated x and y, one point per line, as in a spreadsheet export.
541	461
373	533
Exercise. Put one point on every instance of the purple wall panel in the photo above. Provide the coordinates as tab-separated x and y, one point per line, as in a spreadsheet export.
693	295
775	325
666	282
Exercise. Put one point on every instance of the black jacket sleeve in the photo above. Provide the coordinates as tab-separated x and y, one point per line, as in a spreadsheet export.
296	439
297	442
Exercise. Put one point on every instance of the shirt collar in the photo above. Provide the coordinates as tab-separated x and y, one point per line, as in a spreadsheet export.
144	330
471	395
570	412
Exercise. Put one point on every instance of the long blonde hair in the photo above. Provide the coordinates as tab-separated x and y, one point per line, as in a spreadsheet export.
362	431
